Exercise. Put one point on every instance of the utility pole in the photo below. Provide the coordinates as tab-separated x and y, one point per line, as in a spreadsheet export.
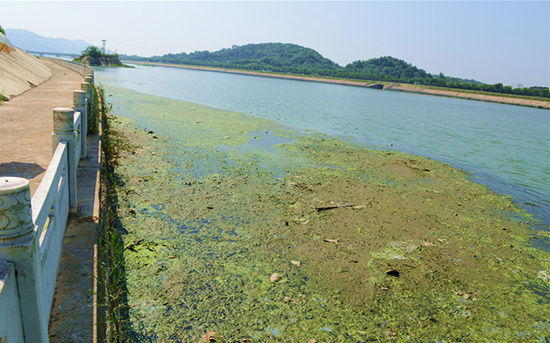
103	40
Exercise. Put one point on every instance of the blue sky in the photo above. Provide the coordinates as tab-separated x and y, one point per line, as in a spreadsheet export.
492	41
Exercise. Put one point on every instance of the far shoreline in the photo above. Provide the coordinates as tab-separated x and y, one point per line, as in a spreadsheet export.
401	87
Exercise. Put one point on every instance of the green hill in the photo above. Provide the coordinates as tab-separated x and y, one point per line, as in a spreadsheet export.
279	57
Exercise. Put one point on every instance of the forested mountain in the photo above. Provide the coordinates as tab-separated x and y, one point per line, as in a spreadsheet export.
292	58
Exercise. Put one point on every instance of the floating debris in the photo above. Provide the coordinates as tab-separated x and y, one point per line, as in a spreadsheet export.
335	241
275	277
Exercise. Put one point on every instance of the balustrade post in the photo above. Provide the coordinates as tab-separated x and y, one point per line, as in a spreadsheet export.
63	129
19	245
80	104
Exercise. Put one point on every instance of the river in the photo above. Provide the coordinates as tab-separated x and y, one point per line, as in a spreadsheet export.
505	147
264	226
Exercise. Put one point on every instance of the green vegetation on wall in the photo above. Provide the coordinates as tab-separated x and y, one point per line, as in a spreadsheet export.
2	30
292	58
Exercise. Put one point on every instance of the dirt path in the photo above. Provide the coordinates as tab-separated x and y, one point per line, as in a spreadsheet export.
25	133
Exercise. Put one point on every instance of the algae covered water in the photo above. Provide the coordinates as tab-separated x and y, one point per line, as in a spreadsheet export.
243	229
506	147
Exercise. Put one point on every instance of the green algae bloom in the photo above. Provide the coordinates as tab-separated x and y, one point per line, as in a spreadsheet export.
370	245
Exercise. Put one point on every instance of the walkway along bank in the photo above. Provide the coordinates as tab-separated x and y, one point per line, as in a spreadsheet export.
32	229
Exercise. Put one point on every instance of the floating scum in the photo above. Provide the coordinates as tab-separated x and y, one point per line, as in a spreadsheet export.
240	227
5	44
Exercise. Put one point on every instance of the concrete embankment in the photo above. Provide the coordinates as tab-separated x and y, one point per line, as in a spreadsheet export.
20	71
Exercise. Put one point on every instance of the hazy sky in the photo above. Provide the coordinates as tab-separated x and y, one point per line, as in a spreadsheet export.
493	41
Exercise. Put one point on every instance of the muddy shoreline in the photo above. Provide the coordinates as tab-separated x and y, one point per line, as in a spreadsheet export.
403	87
367	245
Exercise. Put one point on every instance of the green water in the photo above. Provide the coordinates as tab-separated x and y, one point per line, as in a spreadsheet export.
505	147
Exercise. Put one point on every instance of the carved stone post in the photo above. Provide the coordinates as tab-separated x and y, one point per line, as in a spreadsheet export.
19	245
64	130
80	104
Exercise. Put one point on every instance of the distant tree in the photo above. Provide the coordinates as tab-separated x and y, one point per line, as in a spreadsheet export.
2	30
92	51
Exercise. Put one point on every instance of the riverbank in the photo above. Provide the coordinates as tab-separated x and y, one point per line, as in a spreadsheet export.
453	93
242	226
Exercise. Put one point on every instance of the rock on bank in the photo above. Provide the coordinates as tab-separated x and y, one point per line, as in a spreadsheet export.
19	71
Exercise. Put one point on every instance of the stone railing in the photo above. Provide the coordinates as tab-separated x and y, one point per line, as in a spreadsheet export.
32	230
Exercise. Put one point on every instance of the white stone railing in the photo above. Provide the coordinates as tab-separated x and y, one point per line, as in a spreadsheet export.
32	230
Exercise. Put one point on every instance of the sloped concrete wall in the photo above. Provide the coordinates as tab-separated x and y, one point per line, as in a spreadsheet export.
20	71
